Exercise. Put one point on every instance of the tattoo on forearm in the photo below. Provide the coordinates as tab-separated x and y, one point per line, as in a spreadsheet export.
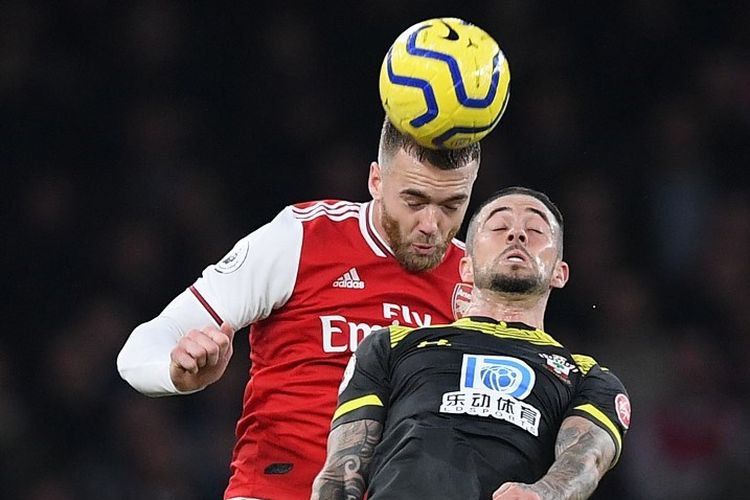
584	453
350	450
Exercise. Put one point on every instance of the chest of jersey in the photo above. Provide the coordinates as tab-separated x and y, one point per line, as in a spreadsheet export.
520	378
344	291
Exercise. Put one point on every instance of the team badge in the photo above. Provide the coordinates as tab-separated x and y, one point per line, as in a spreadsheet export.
234	259
559	365
622	406
493	387
461	299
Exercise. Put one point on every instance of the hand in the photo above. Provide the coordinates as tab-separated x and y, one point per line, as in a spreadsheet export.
201	357
515	491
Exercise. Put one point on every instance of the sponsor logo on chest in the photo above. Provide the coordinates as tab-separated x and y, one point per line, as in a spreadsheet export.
341	334
495	387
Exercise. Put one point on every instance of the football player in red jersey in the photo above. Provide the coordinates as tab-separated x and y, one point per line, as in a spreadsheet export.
313	283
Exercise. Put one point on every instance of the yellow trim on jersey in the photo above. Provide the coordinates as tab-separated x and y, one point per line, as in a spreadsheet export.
604	420
398	333
584	363
502	330
355	404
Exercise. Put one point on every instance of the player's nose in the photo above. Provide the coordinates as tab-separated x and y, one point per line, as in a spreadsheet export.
516	235
428	220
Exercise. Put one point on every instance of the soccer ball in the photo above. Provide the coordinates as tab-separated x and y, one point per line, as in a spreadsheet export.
445	82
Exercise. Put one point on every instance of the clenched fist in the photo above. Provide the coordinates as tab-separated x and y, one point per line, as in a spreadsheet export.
201	357
515	491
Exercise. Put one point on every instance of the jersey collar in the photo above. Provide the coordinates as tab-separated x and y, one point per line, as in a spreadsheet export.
509	324
370	233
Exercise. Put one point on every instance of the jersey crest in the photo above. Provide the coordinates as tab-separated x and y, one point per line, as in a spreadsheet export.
461	298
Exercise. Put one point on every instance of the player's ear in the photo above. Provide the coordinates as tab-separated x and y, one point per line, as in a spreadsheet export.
560	275
375	181
466	270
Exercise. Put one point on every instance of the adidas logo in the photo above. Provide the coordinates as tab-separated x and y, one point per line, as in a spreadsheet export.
349	279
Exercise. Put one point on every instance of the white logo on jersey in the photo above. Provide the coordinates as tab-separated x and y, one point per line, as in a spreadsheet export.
234	259
341	335
493	386
349	279
622	405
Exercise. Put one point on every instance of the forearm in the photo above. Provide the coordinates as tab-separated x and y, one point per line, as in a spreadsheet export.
350	451
144	359
584	454
574	476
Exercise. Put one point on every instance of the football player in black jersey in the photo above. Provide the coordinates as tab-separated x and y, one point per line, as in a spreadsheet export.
490	406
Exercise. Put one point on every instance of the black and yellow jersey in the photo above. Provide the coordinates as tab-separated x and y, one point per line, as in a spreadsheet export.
471	405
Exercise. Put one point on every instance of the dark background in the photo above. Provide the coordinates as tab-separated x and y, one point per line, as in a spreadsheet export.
139	141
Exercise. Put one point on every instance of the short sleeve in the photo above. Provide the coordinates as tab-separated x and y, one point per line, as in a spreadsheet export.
365	387
602	399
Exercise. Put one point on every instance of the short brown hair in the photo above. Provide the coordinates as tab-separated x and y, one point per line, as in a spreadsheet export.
474	221
391	140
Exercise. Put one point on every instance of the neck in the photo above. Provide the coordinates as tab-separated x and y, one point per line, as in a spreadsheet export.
509	307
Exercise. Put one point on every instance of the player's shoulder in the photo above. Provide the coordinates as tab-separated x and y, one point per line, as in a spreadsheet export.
377	343
591	368
385	339
326	210
586	363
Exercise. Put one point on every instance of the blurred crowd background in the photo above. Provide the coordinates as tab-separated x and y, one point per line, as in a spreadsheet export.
140	140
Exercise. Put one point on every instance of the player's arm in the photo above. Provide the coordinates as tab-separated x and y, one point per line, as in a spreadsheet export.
357	424
588	442
180	351
350	450
583	454
189	344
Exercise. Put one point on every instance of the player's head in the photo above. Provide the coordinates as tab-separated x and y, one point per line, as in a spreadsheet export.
514	244
420	196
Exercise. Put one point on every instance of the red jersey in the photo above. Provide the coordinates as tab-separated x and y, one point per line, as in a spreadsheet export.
313	283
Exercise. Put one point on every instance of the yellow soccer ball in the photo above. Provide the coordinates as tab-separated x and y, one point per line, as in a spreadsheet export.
445	82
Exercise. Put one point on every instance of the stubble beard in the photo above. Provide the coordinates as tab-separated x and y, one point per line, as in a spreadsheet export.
402	248
510	283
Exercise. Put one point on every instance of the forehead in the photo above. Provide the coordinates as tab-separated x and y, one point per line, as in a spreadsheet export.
410	172
518	204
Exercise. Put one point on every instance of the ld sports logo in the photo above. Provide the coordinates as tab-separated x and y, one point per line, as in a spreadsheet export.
501	374
494	387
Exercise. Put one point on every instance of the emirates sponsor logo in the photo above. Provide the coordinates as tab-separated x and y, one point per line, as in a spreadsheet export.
341	334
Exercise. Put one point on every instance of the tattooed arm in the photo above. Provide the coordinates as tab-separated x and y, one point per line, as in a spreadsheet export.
350	450
583	454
